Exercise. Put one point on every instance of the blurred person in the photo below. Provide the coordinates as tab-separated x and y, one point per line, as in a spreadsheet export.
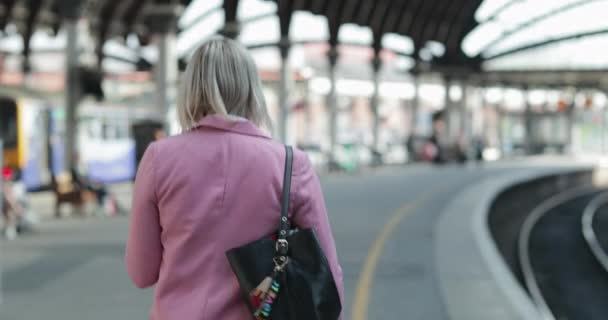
106	201
11	209
436	143
215	187
479	146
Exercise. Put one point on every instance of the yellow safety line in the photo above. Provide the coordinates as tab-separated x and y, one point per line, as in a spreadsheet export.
364	286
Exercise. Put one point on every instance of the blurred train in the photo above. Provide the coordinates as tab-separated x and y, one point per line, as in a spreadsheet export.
33	133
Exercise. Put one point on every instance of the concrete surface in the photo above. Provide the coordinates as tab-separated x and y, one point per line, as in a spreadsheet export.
73	268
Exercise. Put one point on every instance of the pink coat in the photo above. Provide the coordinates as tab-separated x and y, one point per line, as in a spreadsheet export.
202	193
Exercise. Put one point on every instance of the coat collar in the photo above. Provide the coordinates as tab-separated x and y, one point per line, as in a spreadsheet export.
232	124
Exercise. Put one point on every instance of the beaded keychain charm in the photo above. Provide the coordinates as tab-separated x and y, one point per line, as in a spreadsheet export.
264	295
266	300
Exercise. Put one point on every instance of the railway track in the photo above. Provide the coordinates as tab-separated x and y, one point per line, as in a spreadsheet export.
595	228
560	270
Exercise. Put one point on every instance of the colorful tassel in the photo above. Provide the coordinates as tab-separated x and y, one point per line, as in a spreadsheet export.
258	294
264	308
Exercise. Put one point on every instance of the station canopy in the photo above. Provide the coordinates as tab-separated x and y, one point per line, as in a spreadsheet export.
415	29
540	35
460	36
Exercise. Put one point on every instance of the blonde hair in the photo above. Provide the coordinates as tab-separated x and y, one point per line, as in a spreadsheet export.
221	78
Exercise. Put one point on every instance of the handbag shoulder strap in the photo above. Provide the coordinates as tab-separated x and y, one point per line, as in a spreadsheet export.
284	224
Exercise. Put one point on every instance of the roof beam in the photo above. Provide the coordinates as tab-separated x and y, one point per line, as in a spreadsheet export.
465	18
285	12
365	13
443	27
30	25
117	25
316	6
409	15
46	16
230	10
302	5
379	17
434	28
393	17
335	16
350	14
418	29
103	25
8	11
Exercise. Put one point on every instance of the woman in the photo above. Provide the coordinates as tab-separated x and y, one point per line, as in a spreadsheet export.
213	188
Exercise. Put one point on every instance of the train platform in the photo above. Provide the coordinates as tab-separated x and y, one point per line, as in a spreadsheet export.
401	234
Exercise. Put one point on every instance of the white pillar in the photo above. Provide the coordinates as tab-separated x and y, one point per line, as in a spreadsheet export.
71	92
332	105
447	110
529	135
161	21
375	103
499	134
166	76
415	104
464	121
484	120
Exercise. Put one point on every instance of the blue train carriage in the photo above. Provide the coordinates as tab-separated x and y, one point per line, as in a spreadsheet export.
107	150
25	126
34	135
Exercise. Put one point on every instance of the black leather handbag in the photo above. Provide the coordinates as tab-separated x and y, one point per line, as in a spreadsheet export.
286	276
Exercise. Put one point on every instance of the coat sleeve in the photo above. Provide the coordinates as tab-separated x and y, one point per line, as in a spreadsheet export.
309	212
144	248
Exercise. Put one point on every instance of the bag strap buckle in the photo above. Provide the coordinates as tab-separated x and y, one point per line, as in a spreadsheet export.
282	247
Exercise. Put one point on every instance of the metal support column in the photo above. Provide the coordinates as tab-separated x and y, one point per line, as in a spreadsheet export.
463	113
570	117
232	30
447	110
484	112
72	94
284	47
528	134
375	102
500	139
166	76
161	20
415	104
332	104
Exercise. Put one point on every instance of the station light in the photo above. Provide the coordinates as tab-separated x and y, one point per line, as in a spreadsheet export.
494	95
455	93
537	97
599	99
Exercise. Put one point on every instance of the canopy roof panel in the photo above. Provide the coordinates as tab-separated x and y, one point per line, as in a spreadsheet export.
540	34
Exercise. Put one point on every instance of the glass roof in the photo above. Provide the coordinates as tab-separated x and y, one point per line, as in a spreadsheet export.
541	34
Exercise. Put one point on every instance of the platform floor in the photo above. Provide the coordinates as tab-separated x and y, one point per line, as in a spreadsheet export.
383	223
